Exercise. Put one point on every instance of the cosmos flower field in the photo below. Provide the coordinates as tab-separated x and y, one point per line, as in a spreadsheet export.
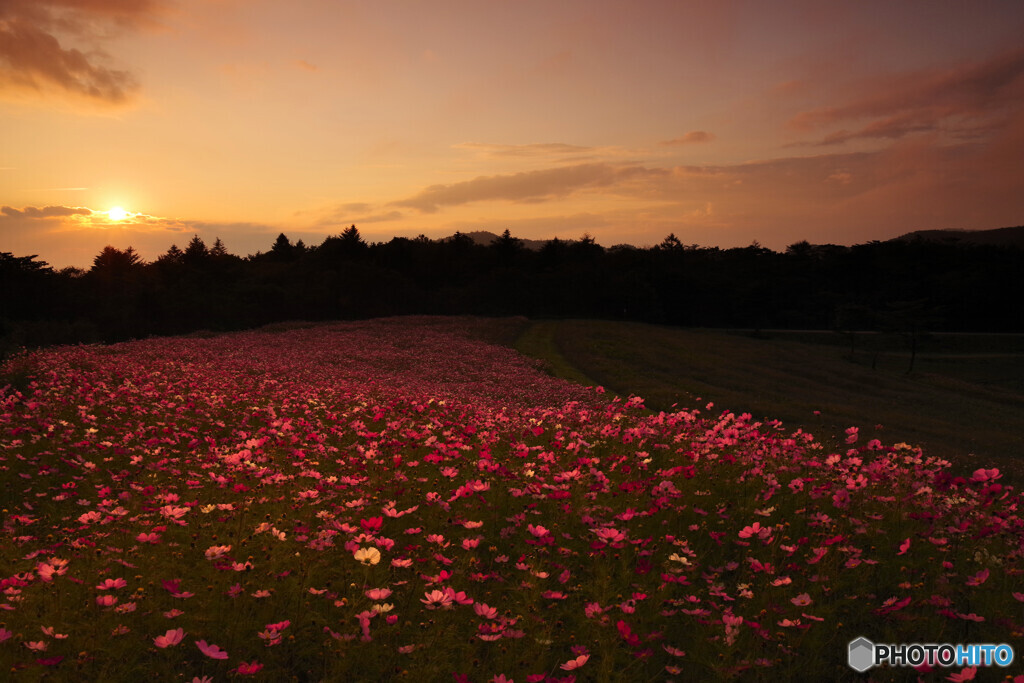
393	499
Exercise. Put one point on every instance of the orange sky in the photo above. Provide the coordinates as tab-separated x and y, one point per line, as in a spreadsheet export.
723	122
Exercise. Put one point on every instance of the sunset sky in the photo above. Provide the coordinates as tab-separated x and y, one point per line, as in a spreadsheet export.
721	122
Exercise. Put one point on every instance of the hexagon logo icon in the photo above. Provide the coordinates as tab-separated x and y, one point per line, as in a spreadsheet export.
861	655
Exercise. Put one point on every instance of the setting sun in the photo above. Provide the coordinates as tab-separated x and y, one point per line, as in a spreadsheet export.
117	214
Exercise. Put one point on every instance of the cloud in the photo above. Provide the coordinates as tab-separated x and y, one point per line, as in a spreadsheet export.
531	150
349	219
353	207
35	55
969	100
44	212
356	213
529	186
693	136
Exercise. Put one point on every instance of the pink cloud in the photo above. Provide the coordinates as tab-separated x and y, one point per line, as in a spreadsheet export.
530	150
694	136
528	187
970	99
35	51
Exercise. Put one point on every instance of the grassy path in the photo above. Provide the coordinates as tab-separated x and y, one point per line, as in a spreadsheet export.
964	401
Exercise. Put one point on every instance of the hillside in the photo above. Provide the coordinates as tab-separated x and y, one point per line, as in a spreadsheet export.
999	237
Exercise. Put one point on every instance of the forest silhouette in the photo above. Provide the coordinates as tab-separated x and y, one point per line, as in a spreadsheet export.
902	286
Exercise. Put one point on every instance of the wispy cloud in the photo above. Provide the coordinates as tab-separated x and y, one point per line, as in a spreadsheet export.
43	212
968	100
694	136
529	186
543	149
37	56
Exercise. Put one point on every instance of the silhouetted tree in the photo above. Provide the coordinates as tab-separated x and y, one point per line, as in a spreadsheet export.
351	241
173	256
671	243
283	250
114	261
218	250
196	253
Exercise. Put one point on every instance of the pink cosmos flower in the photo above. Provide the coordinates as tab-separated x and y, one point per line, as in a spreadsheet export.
215	552
538	530
573	664
211	651
982	475
172	637
106	600
435	599
112	584
378	593
965	675
978	578
802	600
46	572
485	611
755	529
5	634
36	645
610	535
904	547
88	517
458	596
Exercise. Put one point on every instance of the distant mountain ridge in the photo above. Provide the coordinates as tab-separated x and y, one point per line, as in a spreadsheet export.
485	238
998	237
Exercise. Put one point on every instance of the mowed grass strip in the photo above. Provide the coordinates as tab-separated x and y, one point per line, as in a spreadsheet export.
963	401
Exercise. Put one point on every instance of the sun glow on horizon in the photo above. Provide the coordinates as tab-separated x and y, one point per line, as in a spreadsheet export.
117	214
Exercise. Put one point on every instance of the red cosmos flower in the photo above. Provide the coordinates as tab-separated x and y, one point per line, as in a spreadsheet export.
627	634
249	669
372	523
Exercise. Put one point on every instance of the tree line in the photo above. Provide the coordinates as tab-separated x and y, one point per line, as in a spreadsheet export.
887	286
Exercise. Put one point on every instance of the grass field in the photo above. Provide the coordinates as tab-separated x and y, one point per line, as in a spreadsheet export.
964	400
